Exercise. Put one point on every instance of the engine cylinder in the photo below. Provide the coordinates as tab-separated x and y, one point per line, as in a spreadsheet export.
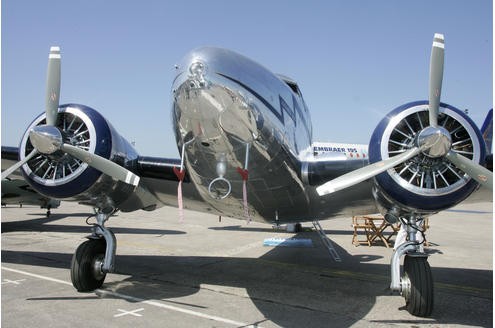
425	183
59	175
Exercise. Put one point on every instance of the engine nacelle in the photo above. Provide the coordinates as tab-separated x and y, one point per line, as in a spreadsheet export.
62	176
423	184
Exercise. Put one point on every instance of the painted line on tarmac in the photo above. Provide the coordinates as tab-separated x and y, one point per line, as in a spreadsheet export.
58	281
139	300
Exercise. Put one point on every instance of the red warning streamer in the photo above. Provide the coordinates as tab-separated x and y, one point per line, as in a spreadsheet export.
244	174
180	173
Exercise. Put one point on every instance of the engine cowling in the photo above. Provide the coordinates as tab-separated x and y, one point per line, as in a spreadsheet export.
423	184
62	176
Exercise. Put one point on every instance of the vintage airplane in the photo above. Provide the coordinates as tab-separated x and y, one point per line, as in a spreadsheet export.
245	141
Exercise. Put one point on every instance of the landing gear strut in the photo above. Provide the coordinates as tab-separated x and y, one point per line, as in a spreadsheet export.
95	257
416	283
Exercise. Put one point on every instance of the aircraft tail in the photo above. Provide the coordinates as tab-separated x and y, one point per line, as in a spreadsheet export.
487	130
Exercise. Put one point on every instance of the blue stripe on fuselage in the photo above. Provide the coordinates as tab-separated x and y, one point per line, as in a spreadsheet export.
283	105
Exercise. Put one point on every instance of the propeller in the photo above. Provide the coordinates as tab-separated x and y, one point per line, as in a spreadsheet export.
52	86
17	165
479	173
102	164
364	173
436	75
433	141
47	139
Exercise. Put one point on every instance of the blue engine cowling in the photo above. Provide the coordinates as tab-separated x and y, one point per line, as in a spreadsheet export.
61	176
422	184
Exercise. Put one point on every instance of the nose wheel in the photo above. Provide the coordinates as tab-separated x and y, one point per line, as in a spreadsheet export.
416	281
95	257
417	286
86	268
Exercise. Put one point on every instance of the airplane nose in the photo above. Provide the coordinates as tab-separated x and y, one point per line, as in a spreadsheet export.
207	104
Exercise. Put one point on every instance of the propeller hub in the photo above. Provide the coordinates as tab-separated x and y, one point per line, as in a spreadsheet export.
47	139
434	142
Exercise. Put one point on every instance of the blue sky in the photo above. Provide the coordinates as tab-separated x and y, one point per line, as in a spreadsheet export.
354	60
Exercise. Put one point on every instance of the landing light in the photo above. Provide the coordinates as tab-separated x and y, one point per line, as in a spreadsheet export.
197	69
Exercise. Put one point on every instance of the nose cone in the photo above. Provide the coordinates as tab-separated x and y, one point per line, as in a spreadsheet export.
205	62
434	141
197	61
46	139
202	59
207	101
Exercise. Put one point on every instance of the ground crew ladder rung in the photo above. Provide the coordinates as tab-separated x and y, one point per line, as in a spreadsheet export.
326	241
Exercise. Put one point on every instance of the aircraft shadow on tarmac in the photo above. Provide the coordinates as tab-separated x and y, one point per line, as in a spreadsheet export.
285	287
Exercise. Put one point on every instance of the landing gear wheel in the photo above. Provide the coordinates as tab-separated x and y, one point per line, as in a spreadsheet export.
85	269
418	286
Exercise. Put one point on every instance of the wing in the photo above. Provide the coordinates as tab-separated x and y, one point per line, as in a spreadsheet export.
18	192
10	155
157	187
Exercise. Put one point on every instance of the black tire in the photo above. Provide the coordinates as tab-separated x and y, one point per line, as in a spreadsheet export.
419	297
82	270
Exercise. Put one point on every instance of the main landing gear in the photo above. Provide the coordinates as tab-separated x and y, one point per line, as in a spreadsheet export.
95	257
416	282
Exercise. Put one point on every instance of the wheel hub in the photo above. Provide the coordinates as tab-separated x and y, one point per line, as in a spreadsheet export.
405	284
97	265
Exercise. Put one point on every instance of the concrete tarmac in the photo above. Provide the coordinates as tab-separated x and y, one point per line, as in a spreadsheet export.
206	273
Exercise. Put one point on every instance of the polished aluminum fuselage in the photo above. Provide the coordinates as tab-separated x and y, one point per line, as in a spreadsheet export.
230	113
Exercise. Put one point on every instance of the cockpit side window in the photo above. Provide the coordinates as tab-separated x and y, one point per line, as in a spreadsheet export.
294	88
291	83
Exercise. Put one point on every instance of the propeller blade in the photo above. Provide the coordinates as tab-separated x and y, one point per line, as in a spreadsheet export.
479	173
359	175
52	86
102	164
17	165
436	76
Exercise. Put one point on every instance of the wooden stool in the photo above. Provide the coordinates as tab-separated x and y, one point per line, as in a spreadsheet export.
359	222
